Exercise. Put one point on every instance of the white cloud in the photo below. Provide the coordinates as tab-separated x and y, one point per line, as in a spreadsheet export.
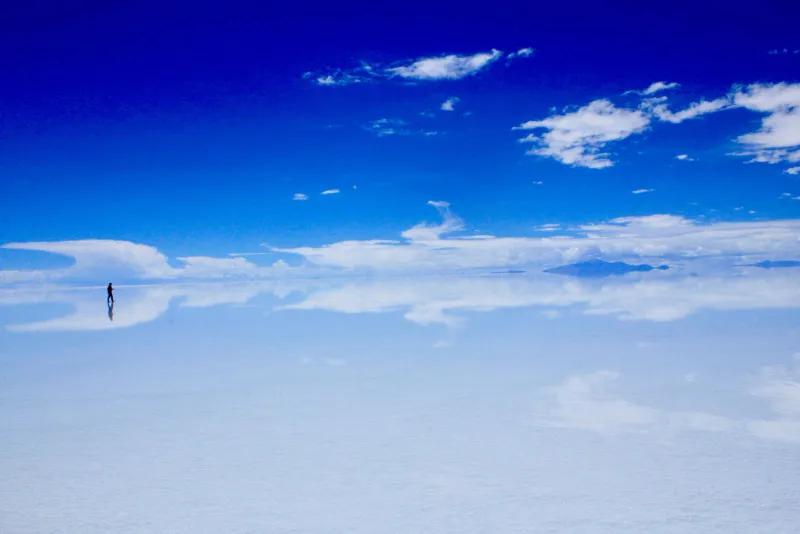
577	138
792	170
522	52
330	192
90	255
111	259
300	196
432	247
770	155
388	127
432	232
538	182
450	104
205	267
778	139
789	196
449	67
654	88
684	157
768	97
446	67
660	110
640	191
335	78
655	237
385	127
13	276
660	86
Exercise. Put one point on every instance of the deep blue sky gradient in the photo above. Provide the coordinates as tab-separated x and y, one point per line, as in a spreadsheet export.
189	127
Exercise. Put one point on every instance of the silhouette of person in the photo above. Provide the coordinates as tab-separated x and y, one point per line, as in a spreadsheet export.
110	294
111	311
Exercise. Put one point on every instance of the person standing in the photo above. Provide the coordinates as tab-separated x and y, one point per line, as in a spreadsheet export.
110	294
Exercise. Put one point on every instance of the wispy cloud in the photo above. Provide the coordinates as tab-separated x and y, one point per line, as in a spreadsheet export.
789	196
450	104
521	53
330	192
432	232
334	78
659	109
792	170
782	51
684	157
449	67
300	196
385	127
654	88
432	68
640	191
388	127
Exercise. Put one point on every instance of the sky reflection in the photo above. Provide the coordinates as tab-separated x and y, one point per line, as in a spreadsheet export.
446	300
540	402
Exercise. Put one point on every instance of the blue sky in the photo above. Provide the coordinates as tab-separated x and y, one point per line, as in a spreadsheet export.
193	131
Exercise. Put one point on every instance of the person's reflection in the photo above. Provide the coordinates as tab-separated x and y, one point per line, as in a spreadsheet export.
111	311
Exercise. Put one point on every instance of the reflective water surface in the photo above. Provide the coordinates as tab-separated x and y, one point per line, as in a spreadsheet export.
494	403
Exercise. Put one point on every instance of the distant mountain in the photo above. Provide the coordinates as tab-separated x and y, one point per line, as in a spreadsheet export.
775	264
600	268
